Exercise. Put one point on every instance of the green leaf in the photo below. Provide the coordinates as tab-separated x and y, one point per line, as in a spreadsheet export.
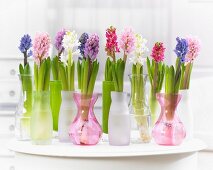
114	76
85	76
79	73
47	74
36	76
63	76
41	74
93	77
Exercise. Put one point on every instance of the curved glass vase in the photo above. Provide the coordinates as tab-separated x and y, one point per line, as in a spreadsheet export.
168	130
85	129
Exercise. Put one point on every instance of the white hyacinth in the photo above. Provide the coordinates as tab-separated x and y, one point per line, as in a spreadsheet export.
140	50
70	43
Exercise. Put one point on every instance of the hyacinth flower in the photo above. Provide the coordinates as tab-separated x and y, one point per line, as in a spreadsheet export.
126	42
42	61
137	78
90	65
70	44
193	52
26	78
111	49
156	72
89	70
57	58
82	40
173	75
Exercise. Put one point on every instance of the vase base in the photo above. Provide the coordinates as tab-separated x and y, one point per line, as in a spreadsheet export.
64	140
42	142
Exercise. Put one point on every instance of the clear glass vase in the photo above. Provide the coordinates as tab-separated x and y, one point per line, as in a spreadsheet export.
85	129
41	119
139	110
24	108
168	130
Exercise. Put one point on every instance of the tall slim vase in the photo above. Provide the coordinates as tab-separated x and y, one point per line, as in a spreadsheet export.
67	113
185	113
107	88
24	108
41	119
119	120
55	101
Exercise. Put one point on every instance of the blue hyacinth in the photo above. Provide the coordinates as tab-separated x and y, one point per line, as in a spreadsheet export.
181	48
83	40
25	45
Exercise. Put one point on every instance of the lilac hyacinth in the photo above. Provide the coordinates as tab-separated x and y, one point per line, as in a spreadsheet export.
83	40
92	47
25	45
58	41
181	49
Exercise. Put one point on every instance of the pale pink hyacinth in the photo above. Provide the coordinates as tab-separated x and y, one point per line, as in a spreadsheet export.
126	41
193	48
41	46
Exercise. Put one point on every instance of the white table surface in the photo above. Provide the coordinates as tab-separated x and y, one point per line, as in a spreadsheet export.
103	149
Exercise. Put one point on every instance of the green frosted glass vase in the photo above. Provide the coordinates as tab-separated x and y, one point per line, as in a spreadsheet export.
41	119
107	87
55	101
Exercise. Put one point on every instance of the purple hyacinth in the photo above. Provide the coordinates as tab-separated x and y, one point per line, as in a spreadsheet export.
58	40
181	49
25	45
83	40
92	47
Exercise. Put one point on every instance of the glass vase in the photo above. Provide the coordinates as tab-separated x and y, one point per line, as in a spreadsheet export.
85	129
168	130
66	115
24	108
55	101
41	119
107	87
154	106
119	120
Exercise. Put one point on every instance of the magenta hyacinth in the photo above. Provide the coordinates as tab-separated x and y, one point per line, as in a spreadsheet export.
158	52
58	40
112	43
92	47
193	48
41	47
127	41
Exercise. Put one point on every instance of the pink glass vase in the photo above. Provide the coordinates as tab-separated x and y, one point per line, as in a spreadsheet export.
168	129
85	129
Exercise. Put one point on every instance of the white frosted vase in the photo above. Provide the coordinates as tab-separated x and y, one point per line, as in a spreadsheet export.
185	113
119	120
67	113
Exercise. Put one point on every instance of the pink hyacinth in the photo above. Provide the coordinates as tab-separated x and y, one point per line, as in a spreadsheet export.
127	41
158	52
41	47
193	49
111	44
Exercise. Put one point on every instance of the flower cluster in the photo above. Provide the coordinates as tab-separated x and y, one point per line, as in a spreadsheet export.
112	44
181	49
83	40
41	47
25	45
140	49
92	47
58	40
127	40
70	43
158	52
193	48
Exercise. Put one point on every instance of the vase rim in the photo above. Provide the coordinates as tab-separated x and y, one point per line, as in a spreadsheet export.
79	93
